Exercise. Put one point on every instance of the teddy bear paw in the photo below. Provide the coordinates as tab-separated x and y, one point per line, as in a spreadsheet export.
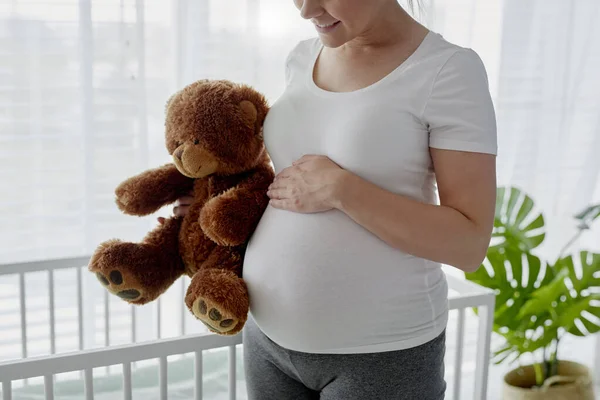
125	288
118	280
214	316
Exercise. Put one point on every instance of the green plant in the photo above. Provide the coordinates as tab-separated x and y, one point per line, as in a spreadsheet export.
538	302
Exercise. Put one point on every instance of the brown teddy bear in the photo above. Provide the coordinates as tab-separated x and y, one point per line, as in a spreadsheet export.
214	134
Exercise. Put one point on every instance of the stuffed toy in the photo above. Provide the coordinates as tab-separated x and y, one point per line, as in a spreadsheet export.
214	134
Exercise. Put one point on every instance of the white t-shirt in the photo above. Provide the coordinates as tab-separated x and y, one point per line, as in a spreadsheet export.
321	283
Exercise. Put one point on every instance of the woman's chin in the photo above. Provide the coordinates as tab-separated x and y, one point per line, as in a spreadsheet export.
330	41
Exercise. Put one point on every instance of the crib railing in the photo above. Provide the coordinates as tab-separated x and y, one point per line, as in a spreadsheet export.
464	295
87	360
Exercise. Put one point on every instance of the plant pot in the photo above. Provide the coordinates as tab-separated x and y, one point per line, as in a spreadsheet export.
573	382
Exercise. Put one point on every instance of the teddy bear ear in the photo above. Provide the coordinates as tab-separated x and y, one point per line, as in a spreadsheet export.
249	113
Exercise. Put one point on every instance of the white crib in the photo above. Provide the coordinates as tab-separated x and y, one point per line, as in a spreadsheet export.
54	334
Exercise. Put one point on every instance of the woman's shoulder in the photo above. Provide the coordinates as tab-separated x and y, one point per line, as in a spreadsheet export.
301	57
305	48
451	55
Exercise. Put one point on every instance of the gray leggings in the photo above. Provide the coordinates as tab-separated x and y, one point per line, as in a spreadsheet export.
275	373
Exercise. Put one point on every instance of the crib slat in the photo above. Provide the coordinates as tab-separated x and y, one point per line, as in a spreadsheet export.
80	307
107	323
51	306
232	373
49	387
106	319
127	395
6	390
133	325
158	318
183	307
23	315
460	332
162	379
88	384
198	375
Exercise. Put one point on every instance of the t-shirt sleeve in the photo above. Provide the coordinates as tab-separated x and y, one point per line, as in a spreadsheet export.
459	112
290	60
297	59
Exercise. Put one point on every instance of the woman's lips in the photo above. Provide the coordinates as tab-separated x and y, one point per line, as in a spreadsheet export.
326	28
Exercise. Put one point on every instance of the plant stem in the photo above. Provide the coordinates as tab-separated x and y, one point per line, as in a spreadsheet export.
539	375
548	362
554	362
570	242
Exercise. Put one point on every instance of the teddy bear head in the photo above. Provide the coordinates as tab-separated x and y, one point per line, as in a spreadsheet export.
215	127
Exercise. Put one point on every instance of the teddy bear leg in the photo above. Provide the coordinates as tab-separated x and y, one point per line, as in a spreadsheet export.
217	294
140	272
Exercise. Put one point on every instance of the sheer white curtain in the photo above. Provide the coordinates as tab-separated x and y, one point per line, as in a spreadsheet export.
549	110
83	85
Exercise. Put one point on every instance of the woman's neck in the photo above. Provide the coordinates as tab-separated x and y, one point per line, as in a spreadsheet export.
394	27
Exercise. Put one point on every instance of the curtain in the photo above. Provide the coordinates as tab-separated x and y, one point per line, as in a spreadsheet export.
83	86
549	110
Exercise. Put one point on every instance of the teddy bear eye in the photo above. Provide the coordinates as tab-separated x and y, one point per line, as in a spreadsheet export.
196	141
177	144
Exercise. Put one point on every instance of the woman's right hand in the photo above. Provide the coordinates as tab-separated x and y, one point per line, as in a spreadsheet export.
181	207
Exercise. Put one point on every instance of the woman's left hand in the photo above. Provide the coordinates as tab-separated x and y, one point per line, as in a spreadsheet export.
310	185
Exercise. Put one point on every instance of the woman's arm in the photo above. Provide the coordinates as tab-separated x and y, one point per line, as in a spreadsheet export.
457	232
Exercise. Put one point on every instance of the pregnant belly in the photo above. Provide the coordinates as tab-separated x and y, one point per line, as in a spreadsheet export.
319	275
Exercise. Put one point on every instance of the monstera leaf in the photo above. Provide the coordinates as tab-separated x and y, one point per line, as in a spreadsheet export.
515	223
567	297
541	300
517	277
527	340
579	307
514	276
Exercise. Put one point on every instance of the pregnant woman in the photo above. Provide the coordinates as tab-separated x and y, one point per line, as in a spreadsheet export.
379	119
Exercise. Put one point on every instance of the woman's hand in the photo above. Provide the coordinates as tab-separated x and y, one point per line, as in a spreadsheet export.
312	184
181	207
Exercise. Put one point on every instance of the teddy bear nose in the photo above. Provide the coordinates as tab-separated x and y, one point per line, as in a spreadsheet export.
178	153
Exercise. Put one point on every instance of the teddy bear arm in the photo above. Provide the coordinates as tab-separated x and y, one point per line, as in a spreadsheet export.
230	218
145	193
